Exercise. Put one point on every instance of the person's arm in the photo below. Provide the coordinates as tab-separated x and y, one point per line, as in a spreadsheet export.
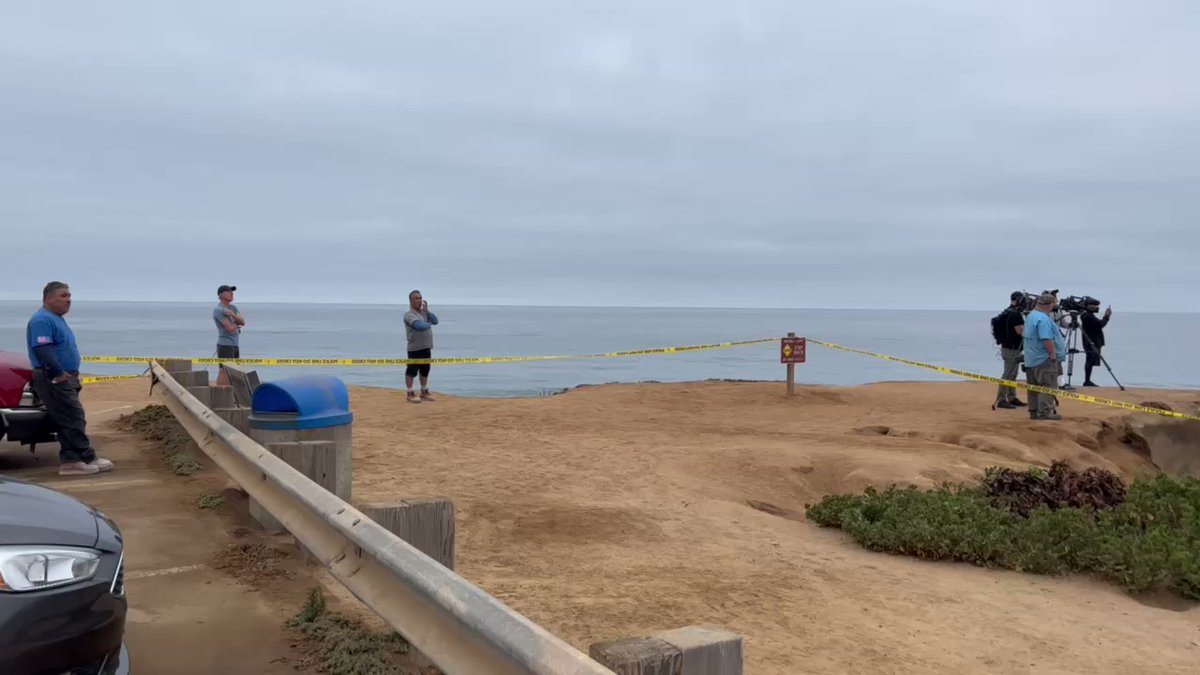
1017	322
221	316
238	318
49	358
433	320
1045	334
41	341
413	319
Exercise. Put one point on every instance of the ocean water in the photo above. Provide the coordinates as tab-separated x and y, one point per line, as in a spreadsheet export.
1144	350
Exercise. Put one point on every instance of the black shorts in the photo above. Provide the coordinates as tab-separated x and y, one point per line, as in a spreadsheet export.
228	352
1093	358
421	369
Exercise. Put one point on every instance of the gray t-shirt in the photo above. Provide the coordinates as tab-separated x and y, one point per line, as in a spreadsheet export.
224	337
419	329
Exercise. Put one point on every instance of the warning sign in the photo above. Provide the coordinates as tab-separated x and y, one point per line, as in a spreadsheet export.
792	350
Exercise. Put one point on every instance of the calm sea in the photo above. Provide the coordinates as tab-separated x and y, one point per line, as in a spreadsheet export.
1144	350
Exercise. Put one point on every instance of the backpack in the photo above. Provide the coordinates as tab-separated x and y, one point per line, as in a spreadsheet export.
1000	327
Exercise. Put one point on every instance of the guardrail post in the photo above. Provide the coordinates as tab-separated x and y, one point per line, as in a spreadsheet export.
195	381
192	378
427	524
176	366
222	397
323	455
238	417
320	462
693	650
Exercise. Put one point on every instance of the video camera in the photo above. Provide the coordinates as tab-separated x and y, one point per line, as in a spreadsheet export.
1072	304
1075	304
1027	303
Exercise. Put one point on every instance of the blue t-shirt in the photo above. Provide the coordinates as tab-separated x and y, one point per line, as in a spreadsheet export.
48	328
1039	326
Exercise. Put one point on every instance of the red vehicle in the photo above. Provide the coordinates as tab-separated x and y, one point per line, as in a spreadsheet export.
23	418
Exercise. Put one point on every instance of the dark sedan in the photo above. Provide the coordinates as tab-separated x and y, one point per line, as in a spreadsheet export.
62	585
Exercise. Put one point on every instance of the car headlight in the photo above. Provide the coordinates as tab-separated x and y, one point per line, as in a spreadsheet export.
34	568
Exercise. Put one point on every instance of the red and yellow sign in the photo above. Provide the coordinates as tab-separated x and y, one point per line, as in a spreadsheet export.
792	350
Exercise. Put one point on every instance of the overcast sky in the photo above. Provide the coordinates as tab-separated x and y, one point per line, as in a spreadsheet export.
776	153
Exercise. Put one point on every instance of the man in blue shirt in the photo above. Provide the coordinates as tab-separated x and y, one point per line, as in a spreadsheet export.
1045	351
54	356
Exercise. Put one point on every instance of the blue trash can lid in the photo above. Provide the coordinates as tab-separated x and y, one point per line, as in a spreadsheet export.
305	402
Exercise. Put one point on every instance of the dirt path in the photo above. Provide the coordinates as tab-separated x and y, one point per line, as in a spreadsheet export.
615	511
185	617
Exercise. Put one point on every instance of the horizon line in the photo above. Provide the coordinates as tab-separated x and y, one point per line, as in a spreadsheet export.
559	306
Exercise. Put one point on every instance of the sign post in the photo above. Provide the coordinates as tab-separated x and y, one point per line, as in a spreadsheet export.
792	351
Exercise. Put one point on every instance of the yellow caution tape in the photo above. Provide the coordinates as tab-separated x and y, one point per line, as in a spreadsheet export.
106	378
622	354
1010	383
438	362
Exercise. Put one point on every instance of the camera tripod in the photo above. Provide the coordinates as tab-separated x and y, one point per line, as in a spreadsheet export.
1073	333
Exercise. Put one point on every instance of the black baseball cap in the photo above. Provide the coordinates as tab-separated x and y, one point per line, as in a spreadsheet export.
1016	295
224	287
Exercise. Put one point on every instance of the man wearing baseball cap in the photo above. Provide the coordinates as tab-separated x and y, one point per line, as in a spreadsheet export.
229	322
1008	328
1045	350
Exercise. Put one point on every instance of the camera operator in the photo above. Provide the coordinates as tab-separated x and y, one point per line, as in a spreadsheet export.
1008	329
1093	337
1045	350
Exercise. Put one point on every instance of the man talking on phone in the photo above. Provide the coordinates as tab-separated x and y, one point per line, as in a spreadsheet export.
418	326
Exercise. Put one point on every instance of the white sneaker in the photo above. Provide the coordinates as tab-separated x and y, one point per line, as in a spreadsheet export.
102	464
77	469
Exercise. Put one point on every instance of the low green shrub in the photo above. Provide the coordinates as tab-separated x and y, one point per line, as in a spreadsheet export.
1143	537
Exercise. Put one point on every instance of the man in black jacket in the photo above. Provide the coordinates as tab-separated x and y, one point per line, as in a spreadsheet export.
1012	328
1093	338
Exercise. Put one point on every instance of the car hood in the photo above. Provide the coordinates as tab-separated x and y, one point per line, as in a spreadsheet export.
31	514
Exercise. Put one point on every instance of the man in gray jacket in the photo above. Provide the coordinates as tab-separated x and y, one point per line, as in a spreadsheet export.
418	327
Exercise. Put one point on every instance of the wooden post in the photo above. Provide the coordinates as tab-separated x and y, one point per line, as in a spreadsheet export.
638	656
175	366
222	397
693	650
427	524
791	373
192	378
323	455
238	417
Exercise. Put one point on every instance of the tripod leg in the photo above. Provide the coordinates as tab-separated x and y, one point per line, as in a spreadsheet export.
1110	372
1088	341
1071	342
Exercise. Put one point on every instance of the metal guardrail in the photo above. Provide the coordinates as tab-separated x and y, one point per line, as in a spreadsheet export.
462	629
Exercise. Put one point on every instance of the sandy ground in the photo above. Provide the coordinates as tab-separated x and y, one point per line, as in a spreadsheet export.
617	511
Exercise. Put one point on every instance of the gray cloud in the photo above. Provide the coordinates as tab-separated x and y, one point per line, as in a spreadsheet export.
915	154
